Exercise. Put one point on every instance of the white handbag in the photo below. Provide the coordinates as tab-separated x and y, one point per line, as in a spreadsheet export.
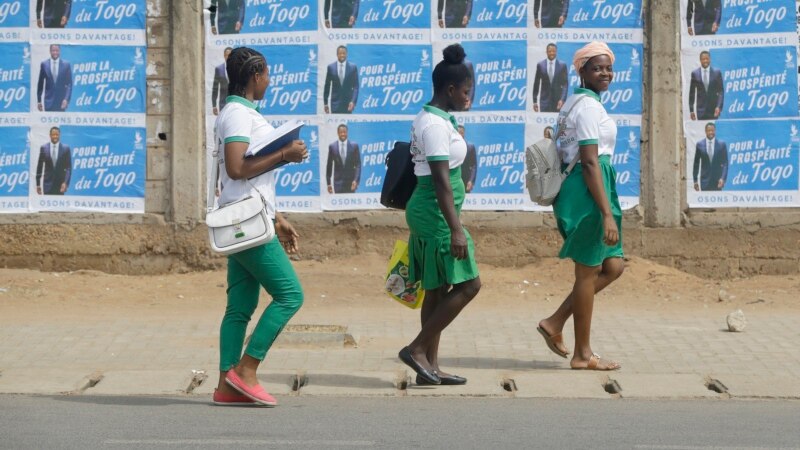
239	225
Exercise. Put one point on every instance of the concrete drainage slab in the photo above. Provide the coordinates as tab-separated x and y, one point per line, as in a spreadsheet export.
276	383
37	381
354	384
759	386
642	385
302	335
562	384
143	382
480	383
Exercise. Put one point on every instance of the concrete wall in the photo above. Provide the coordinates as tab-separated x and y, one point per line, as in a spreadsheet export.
171	237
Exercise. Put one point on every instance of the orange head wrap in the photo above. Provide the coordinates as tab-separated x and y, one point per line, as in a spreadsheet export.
589	51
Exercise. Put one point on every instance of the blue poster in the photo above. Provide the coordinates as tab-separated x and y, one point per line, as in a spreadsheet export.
15	77
738	17
627	154
374	141
500	75
758	82
624	95
500	156
262	16
301	179
600	14
393	14
14	164
483	13
106	162
762	160
14	14
103	14
111	80
292	79
392	79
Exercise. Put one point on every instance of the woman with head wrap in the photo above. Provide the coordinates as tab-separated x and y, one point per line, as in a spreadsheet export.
587	208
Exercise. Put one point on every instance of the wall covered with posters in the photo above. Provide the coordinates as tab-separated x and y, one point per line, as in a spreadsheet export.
358	71
72	89
740	103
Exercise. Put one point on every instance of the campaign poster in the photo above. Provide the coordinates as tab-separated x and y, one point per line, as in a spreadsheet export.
627	162
624	95
14	21
721	17
353	161
377	14
454	14
375	78
233	17
15	75
608	14
14	169
91	22
500	75
740	83
292	80
747	163
495	166
88	79
87	168
298	184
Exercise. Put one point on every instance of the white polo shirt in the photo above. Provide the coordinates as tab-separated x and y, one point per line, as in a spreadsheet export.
435	137
588	123
240	121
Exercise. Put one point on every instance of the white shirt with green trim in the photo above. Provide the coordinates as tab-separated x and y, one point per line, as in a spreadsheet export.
434	137
587	123
240	121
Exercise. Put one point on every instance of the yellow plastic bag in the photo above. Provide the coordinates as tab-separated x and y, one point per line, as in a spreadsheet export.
397	285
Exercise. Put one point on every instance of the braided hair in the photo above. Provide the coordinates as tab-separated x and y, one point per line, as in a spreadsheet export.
451	70
241	65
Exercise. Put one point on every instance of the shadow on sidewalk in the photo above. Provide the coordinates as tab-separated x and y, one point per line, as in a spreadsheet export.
339	380
499	363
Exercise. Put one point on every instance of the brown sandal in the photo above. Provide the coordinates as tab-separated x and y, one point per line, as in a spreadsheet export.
551	342
594	360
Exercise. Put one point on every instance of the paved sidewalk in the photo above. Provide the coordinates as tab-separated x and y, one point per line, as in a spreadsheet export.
662	356
665	353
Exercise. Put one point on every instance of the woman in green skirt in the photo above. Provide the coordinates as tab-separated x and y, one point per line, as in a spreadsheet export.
441	252
587	208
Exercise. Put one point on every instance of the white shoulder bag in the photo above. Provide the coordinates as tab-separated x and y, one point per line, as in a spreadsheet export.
239	225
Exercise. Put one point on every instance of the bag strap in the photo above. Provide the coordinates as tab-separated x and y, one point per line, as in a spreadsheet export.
578	154
212	181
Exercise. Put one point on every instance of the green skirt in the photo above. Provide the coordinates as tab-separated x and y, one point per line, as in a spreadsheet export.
429	255
580	221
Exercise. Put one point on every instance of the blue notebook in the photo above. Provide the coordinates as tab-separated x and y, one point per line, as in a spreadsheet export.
275	140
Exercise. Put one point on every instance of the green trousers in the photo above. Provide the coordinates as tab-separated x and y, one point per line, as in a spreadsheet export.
268	266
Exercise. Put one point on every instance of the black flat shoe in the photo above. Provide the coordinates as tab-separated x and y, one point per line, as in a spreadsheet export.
452	380
428	375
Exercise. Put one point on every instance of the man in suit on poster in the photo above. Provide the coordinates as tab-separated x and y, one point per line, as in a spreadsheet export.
55	82
710	162
227	16
343	171
469	170
54	168
706	90
52	13
703	16
553	13
219	90
550	82
340	13
341	85
454	13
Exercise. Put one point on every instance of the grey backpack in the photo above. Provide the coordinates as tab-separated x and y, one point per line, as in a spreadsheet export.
543	166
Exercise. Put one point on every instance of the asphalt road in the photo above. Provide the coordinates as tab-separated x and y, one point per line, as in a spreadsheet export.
463	423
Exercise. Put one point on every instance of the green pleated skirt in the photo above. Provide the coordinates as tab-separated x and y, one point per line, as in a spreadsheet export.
580	221
429	255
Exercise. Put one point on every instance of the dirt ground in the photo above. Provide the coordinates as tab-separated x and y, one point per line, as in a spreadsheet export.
336	286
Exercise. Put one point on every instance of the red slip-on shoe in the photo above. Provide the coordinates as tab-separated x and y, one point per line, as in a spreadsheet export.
255	393
222	399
